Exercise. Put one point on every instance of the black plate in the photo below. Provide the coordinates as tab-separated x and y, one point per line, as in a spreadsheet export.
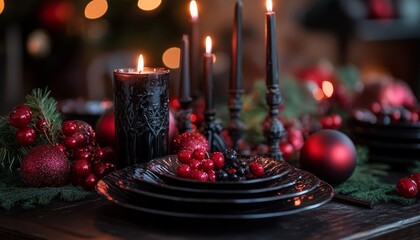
139	175
307	183
319	196
166	167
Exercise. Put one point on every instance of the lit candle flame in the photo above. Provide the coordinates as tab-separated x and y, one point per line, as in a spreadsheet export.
269	5
140	64
208	44
194	10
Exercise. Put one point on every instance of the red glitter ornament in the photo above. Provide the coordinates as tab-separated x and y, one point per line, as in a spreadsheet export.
45	166
190	141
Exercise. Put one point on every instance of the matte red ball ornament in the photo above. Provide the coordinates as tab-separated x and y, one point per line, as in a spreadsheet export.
45	166
330	155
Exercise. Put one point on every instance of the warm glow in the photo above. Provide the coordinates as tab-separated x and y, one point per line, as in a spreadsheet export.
208	44
1	6
140	64
327	88
194	10
171	57
269	5
148	5
318	94
96	9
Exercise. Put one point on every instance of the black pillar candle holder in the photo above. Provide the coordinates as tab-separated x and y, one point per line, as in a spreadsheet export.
235	126
272	127
184	123
212	130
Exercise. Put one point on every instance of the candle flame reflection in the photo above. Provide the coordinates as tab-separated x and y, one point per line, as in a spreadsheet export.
194	10
269	5
208	44
140	64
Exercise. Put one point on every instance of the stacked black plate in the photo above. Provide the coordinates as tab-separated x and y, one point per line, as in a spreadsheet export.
392	143
155	189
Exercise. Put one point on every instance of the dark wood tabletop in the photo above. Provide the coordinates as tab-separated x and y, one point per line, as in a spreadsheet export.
96	218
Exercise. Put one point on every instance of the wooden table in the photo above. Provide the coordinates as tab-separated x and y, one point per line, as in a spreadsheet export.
95	218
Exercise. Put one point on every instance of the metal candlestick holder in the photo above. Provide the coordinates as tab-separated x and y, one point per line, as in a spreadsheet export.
212	130
235	126
273	128
183	117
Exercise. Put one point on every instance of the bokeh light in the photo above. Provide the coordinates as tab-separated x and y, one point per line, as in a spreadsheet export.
148	5
38	44
96	9
171	57
327	88
1	6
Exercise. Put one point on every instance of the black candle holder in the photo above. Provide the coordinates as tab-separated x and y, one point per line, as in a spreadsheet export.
184	123
212	130
272	126
235	126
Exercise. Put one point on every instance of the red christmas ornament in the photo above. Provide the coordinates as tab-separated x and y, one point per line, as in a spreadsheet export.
407	188
105	128
330	155
190	141
45	166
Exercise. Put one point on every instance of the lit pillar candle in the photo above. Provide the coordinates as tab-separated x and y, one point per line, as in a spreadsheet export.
236	54
208	74
141	113
184	87
272	77
194	47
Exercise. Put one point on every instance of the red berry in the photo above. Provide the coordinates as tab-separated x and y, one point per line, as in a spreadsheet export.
407	188
337	121
256	169
110	167
99	153
184	156
211	176
199	175
218	160
327	122
20	116
89	182
207	165
80	139
69	128
82	153
25	136
61	147
81	168
41	125
416	178
287	149
199	154
195	164
70	142
231	170
99	170
183	170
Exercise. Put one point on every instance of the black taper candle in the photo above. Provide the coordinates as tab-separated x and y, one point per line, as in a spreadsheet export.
208	75
272	76
184	86
194	49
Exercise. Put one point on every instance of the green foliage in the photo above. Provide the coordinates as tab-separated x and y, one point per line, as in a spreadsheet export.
42	106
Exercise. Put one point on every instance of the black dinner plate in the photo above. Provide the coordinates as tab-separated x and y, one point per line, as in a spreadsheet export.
140	175
166	167
319	196
142	194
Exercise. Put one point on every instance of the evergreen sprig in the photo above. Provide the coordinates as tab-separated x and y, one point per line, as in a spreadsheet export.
42	106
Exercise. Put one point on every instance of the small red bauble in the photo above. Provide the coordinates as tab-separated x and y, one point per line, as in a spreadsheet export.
207	165
61	147
416	178
330	155
199	154
41	125
68	128
407	188
211	176
25	136
184	156
99	170
70	142
190	141
218	159
195	164
105	128
183	170
20	116
287	150
199	175
89	182
81	168
256	169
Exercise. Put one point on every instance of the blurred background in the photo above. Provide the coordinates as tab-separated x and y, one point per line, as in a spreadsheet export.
72	46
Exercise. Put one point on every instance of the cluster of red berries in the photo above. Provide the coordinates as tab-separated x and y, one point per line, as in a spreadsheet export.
201	166
90	161
408	187
382	113
20	118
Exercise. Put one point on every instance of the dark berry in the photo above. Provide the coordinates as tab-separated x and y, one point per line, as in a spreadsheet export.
199	154
218	160
207	165
99	170
242	171
69	128
89	182
20	116
407	188
195	164
416	178
81	168
256	169
184	171
230	155
221	175
184	156
211	176
199	175
70	142
233	176
25	136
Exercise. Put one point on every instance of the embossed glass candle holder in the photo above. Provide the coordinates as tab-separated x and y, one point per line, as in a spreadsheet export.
141	114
